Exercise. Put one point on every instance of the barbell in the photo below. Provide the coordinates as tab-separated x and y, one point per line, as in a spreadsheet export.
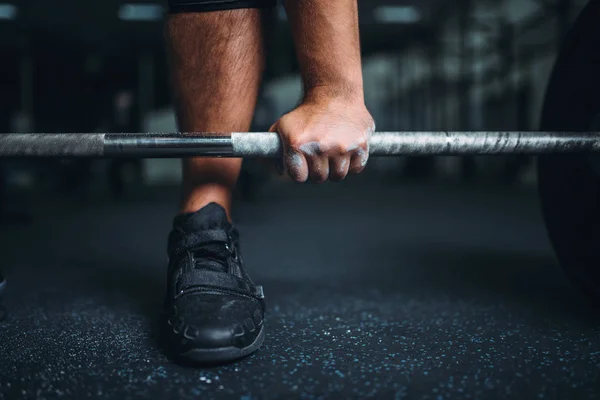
268	144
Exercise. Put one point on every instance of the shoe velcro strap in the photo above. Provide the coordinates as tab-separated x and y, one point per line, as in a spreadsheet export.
194	239
219	280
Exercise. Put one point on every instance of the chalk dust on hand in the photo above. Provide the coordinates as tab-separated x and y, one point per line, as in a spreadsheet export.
296	165
363	156
344	164
310	148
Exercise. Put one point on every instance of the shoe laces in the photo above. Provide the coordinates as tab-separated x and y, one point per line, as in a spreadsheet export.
215	255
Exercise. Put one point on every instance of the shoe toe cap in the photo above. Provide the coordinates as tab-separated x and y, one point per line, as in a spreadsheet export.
210	321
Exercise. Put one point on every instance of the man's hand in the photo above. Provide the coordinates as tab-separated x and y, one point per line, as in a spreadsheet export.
327	136
325	139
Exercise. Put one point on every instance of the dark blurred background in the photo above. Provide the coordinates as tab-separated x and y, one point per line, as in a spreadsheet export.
433	278
428	65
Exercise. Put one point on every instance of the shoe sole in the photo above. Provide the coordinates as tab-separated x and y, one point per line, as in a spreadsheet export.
223	354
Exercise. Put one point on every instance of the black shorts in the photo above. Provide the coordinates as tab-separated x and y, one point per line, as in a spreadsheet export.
179	6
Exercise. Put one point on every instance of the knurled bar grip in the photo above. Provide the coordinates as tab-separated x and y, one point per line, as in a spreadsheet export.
52	145
267	144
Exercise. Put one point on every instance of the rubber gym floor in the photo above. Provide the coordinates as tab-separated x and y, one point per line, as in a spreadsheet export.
430	291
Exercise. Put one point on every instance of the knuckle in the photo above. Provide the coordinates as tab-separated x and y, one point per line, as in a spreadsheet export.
338	148
294	146
312	148
298	146
294	141
362	142
343	148
332	148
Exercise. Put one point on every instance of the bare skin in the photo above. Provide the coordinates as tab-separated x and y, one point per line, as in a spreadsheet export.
327	135
217	60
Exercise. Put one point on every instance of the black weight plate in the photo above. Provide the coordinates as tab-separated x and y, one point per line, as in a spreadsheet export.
568	186
2	287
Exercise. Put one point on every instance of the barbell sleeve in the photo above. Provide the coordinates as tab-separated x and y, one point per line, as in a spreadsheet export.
268	144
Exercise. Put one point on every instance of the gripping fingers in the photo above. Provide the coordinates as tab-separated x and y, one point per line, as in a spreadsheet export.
318	166
359	160
360	157
296	165
338	168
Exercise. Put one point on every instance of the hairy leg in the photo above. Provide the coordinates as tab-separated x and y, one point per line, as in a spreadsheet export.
216	62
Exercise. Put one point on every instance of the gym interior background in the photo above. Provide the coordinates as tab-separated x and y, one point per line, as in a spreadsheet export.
455	293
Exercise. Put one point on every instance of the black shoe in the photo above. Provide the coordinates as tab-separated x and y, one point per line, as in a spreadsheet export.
213	311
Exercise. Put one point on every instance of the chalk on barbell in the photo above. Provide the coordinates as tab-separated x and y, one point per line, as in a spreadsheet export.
267	144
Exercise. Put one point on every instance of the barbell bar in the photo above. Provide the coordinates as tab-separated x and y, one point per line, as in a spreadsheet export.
268	144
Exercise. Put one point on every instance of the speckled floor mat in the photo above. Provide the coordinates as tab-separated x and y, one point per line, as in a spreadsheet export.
396	293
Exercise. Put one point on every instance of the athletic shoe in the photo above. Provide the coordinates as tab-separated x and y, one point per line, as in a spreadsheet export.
214	313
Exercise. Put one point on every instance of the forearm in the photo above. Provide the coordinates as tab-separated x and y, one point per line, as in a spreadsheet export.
216	60
327	45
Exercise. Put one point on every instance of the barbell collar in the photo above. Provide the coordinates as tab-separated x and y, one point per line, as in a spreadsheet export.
268	144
